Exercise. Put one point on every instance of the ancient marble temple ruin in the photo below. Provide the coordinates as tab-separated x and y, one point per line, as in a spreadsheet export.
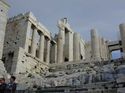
30	52
28	43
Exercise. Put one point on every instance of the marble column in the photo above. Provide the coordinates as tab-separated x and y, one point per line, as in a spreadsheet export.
122	32
53	56
55	52
82	49
76	46
28	29
33	43
68	47
41	47
48	51
103	51
107	50
100	47
60	45
95	44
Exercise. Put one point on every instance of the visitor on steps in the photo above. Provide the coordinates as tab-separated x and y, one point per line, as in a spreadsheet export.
3	85
11	86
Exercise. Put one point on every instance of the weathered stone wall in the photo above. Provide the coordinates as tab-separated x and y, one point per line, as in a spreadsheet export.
26	62
14	38
18	57
15	34
3	20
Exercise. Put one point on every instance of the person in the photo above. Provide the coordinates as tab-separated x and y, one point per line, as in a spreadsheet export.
11	86
2	85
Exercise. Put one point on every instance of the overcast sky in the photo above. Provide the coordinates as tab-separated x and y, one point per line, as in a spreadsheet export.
104	15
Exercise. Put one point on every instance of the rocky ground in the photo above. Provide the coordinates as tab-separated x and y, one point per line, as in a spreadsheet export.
35	79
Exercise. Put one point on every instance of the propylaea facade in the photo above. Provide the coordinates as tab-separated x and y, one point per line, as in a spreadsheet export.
28	50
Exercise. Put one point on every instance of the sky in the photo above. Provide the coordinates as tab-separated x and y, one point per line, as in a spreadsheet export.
83	15
116	54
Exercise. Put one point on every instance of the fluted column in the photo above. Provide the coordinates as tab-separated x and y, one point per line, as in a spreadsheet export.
33	43
41	47
95	44
122	32
76	50
48	51
60	47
